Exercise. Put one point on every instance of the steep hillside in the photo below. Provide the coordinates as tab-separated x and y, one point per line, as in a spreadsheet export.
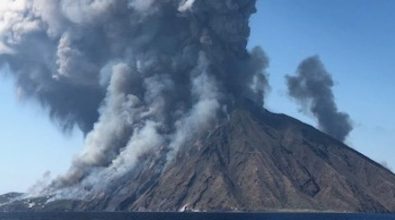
253	161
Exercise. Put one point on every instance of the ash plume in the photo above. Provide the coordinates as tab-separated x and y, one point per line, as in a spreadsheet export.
312	87
134	75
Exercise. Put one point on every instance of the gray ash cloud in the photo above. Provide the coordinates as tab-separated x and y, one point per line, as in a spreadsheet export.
133	75
312	88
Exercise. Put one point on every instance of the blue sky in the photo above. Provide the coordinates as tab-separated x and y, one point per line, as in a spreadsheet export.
356	41
354	38
30	144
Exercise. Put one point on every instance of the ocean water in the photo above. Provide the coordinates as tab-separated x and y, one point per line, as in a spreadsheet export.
189	216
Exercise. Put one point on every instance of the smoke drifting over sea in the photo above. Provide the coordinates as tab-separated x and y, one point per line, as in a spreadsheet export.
312	87
134	75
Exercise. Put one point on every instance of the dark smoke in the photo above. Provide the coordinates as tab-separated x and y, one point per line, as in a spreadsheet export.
134	75
312	87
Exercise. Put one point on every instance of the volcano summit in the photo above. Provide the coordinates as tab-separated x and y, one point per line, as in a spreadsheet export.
171	105
253	161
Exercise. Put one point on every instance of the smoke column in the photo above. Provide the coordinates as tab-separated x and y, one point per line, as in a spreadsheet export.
135	76
312	87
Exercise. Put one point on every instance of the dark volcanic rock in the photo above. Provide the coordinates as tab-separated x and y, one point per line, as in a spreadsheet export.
9	197
258	160
254	161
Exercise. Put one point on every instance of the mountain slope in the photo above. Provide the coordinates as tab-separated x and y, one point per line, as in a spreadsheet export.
263	161
254	161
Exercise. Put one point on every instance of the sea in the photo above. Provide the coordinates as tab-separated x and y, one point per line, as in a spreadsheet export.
188	216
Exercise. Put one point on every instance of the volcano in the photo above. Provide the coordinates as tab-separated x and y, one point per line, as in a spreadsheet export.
170	99
254	160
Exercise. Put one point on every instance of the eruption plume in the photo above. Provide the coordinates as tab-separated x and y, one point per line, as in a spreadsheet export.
133	75
312	87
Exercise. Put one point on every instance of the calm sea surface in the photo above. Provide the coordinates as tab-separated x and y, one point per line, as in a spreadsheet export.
188	216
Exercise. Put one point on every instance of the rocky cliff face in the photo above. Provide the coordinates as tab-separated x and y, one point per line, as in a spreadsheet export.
253	161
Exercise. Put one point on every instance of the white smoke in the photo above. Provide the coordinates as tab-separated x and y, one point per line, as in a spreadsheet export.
16	20
141	5
5	49
186	5
136	76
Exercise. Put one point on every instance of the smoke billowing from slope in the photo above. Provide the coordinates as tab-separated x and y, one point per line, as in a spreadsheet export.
133	75
312	87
